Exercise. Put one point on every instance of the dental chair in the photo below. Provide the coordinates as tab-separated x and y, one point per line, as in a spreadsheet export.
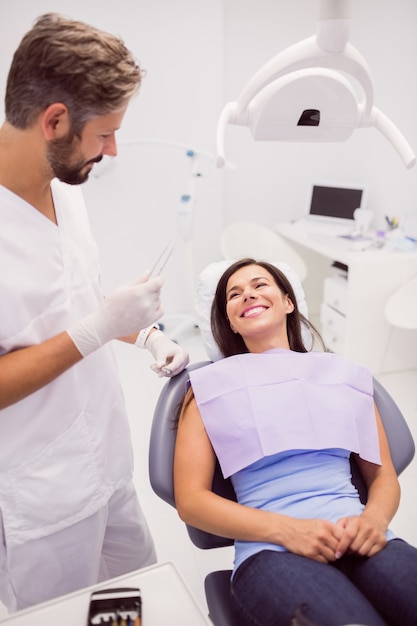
163	436
161	458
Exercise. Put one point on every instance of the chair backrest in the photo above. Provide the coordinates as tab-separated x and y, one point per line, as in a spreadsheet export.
400	439
163	436
161	455
249	239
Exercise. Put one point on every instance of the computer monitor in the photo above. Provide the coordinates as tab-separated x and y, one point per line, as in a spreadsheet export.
335	204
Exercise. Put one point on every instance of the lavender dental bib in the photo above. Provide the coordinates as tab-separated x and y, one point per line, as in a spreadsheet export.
256	405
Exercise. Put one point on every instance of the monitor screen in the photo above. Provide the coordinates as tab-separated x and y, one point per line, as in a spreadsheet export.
335	202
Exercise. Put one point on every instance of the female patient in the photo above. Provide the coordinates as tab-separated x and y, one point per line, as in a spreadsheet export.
283	423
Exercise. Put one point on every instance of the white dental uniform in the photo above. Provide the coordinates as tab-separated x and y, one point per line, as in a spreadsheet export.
66	449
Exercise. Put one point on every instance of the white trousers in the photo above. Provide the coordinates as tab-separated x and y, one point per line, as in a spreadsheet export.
114	541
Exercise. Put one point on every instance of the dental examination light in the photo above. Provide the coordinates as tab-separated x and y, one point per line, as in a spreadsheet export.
308	92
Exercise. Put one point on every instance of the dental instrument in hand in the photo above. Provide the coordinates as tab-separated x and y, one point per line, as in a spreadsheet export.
162	259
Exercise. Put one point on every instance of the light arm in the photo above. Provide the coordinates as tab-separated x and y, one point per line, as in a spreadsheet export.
394	136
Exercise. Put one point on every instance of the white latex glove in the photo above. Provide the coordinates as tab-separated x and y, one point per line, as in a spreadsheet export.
128	309
170	358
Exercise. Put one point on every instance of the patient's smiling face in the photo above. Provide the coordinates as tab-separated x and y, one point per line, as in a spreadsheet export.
257	309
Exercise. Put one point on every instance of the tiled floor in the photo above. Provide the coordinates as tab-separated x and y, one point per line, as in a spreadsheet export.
142	388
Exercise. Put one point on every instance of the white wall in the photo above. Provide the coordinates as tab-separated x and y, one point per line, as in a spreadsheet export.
273	179
199	54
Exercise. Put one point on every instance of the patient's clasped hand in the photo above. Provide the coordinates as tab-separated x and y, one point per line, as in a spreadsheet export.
284	423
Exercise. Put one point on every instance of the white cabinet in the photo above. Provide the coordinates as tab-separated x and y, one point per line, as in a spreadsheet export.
333	312
335	292
333	328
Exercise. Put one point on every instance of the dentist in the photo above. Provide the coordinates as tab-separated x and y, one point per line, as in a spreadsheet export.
69	514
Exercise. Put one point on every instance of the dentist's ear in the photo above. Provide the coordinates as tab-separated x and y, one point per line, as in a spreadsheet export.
55	121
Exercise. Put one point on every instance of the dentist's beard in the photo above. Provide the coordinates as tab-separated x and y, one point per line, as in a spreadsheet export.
59	154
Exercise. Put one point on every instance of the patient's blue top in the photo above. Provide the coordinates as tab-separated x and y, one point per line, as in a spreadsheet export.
283	425
304	484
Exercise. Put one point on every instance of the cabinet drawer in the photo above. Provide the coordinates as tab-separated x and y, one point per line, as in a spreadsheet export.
336	293
333	342
333	326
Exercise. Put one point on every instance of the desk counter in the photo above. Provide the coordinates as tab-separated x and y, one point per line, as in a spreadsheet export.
166	600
